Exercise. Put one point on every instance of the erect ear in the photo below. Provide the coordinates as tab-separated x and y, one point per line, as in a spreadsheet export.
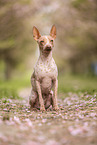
36	33
53	32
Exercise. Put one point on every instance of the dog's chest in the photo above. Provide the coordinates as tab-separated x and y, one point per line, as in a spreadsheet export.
46	69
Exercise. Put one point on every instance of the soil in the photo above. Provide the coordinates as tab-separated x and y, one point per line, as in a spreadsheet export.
74	124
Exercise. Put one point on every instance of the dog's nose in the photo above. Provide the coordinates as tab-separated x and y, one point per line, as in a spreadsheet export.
48	48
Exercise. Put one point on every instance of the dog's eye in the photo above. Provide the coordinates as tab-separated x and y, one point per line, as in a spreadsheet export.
51	41
41	41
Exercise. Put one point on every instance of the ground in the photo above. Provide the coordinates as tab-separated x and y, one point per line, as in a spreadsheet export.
74	124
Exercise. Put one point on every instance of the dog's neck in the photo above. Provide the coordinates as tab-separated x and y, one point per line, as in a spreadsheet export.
45	56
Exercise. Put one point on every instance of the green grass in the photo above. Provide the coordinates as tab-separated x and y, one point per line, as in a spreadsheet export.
77	83
10	88
66	83
78	3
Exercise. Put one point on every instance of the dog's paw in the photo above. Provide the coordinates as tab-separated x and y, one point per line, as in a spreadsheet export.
55	108
34	109
42	109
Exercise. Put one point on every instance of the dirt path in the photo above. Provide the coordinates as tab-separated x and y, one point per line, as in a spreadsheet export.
74	124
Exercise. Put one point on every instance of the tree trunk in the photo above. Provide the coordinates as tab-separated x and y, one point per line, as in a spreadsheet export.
8	69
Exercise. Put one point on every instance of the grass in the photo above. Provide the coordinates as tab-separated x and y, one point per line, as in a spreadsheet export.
10	88
77	83
66	83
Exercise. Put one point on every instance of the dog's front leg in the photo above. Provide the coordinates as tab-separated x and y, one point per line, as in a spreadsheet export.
41	102
55	103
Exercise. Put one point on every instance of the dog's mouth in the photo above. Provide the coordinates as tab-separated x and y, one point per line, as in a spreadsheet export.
48	49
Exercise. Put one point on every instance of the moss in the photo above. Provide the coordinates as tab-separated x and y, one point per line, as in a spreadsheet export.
78	3
6	44
77	84
8	93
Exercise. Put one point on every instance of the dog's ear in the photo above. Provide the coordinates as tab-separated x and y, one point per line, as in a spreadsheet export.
36	34
53	32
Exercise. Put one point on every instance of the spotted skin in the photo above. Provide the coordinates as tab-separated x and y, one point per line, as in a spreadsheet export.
44	77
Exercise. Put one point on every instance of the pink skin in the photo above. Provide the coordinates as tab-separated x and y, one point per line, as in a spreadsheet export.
44	77
48	101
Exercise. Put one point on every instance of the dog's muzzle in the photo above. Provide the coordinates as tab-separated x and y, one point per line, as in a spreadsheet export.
48	48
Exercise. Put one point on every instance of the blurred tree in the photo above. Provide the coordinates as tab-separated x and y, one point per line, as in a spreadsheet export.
76	22
10	27
85	35
77	25
13	39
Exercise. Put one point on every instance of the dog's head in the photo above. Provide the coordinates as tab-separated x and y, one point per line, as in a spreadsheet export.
46	43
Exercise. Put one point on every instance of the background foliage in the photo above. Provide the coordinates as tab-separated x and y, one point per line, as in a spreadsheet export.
75	49
75	53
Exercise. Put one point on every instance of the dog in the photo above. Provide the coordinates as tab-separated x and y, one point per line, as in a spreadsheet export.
44	77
